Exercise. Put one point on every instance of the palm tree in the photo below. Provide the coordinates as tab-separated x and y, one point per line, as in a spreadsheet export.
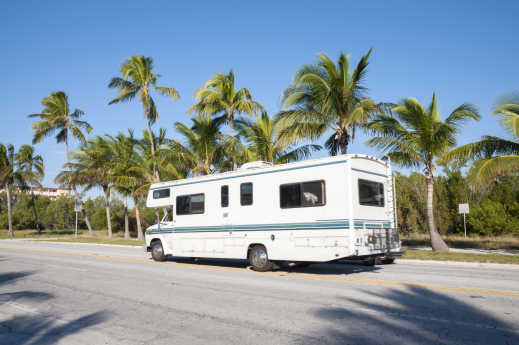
90	167
494	156
124	159
56	116
163	158
10	175
137	179
327	96
417	137
262	135
202	150
220	96
32	168
138	79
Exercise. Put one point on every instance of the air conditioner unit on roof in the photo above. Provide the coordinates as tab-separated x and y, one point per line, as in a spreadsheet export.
255	165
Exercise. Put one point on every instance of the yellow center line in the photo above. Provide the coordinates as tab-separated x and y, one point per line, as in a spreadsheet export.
289	274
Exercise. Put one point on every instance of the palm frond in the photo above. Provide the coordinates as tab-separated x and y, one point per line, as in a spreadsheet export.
168	91
489	169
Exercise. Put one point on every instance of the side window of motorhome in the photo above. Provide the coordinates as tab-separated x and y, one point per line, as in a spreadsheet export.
246	194
371	193
190	204
161	193
224	196
303	194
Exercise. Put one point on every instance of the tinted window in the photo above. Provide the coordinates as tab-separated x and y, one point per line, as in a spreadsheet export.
224	199
197	203
313	193
161	193
304	194
183	204
246	194
290	195
371	193
190	204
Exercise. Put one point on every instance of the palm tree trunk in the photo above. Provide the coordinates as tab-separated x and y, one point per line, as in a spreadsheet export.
152	147
344	148
85	216
9	211
231	127
36	224
76	195
437	243
126	224
140	237
106	191
343	141
156	175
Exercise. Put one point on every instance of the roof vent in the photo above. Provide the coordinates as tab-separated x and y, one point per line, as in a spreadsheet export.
255	165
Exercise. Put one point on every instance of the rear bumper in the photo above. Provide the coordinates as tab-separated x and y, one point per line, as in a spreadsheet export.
393	255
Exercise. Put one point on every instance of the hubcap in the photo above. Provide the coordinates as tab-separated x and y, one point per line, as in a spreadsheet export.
157	249
259	258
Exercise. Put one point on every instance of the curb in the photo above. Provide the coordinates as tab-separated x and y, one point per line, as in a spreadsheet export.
50	241
461	263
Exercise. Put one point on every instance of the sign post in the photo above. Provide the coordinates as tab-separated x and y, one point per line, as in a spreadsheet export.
77	208
464	209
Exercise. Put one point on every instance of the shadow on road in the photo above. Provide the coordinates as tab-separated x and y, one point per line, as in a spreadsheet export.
44	329
414	316
11	277
317	268
28	326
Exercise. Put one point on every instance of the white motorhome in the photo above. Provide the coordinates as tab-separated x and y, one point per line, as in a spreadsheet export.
317	210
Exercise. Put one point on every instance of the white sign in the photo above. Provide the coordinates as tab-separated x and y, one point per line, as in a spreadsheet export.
77	207
463	208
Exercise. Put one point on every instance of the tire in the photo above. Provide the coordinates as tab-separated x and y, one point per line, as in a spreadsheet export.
388	261
259	260
370	261
157	251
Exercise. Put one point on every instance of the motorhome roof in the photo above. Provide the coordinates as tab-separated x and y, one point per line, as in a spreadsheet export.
284	166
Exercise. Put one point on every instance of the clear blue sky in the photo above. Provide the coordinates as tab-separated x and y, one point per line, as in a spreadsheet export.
466	51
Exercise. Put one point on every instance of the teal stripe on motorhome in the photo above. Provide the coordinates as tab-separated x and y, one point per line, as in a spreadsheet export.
277	227
257	227
368	172
251	174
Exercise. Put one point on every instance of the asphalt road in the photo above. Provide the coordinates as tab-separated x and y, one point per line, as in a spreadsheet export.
89	294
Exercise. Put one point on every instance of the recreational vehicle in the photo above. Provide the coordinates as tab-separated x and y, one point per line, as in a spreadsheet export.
317	210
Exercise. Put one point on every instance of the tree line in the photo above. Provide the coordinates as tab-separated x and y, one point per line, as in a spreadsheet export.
494	210
327	100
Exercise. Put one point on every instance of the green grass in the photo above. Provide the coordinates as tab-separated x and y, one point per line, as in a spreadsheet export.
44	234
101	240
68	236
473	242
463	257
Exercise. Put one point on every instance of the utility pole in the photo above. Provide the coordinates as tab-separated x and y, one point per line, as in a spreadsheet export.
77	208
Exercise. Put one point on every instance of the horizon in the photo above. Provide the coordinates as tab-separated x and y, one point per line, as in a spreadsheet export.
465	52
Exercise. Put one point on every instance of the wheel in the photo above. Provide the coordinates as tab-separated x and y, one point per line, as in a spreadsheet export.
388	261
157	252
370	261
259	260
